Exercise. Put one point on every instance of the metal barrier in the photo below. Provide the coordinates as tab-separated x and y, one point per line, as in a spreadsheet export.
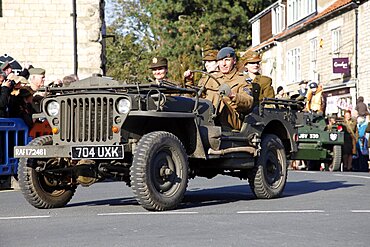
13	132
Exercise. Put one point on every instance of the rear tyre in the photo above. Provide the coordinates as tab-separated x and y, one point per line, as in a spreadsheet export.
268	179
41	191
159	172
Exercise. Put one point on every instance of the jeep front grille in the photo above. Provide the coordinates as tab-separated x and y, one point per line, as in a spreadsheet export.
86	119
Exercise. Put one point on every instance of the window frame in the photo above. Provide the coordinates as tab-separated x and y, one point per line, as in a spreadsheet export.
293	65
336	40
299	9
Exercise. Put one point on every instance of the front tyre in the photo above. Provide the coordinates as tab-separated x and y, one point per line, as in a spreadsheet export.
337	158
39	190
268	179
159	171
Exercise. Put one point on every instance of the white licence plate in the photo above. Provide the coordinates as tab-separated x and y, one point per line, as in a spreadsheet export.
97	152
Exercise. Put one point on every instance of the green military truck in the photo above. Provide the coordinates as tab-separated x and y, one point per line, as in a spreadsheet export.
153	137
319	145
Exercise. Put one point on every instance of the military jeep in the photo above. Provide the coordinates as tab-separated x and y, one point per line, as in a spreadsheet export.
153	137
319	145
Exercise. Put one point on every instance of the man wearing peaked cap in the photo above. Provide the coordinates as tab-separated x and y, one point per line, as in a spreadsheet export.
37	78
159	67
210	55
260	85
233	89
37	71
210	64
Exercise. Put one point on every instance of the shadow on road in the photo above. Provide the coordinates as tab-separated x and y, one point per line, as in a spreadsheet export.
197	197
110	202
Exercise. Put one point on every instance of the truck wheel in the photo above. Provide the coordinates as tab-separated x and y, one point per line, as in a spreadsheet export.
159	171
337	158
39	190
268	179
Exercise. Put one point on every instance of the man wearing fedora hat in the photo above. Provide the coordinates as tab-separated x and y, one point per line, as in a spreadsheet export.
260	85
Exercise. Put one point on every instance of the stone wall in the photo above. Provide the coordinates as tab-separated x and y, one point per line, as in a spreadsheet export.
40	32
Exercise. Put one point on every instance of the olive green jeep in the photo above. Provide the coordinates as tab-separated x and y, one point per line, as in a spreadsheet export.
153	137
319	144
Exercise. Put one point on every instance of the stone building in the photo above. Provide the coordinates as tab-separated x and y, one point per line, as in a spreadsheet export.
317	40
41	33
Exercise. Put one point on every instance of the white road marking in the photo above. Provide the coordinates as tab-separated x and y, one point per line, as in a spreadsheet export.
282	212
25	217
146	213
360	211
353	176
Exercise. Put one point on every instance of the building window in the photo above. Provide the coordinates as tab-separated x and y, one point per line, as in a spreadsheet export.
256	33
294	65
278	19
299	9
1	8
313	59
335	38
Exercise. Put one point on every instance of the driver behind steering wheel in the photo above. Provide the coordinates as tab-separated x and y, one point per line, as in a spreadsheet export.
238	99
209	89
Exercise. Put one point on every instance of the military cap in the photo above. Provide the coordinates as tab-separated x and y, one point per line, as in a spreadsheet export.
251	57
313	85
210	55
303	82
37	71
5	65
158	62
226	52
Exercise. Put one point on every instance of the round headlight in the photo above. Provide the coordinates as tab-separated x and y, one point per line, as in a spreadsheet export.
123	106
53	108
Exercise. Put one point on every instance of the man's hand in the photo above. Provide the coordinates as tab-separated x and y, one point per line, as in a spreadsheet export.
7	83
188	74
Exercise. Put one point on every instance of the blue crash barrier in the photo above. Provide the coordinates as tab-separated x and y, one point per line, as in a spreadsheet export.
13	132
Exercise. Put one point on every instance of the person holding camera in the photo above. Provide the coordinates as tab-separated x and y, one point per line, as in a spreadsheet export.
5	91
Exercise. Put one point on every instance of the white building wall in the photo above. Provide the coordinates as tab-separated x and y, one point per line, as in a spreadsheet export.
364	51
40	32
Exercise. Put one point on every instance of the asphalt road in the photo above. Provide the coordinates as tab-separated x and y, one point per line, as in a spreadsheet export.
317	209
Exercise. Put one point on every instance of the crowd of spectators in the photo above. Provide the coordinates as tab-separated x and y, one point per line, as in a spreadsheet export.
20	95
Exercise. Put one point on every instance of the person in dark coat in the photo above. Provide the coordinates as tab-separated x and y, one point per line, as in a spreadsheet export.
20	106
5	90
361	107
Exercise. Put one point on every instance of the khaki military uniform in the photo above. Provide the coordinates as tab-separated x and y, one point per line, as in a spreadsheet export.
265	87
229	110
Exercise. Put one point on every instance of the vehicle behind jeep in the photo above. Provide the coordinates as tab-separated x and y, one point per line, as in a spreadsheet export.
318	144
153	137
